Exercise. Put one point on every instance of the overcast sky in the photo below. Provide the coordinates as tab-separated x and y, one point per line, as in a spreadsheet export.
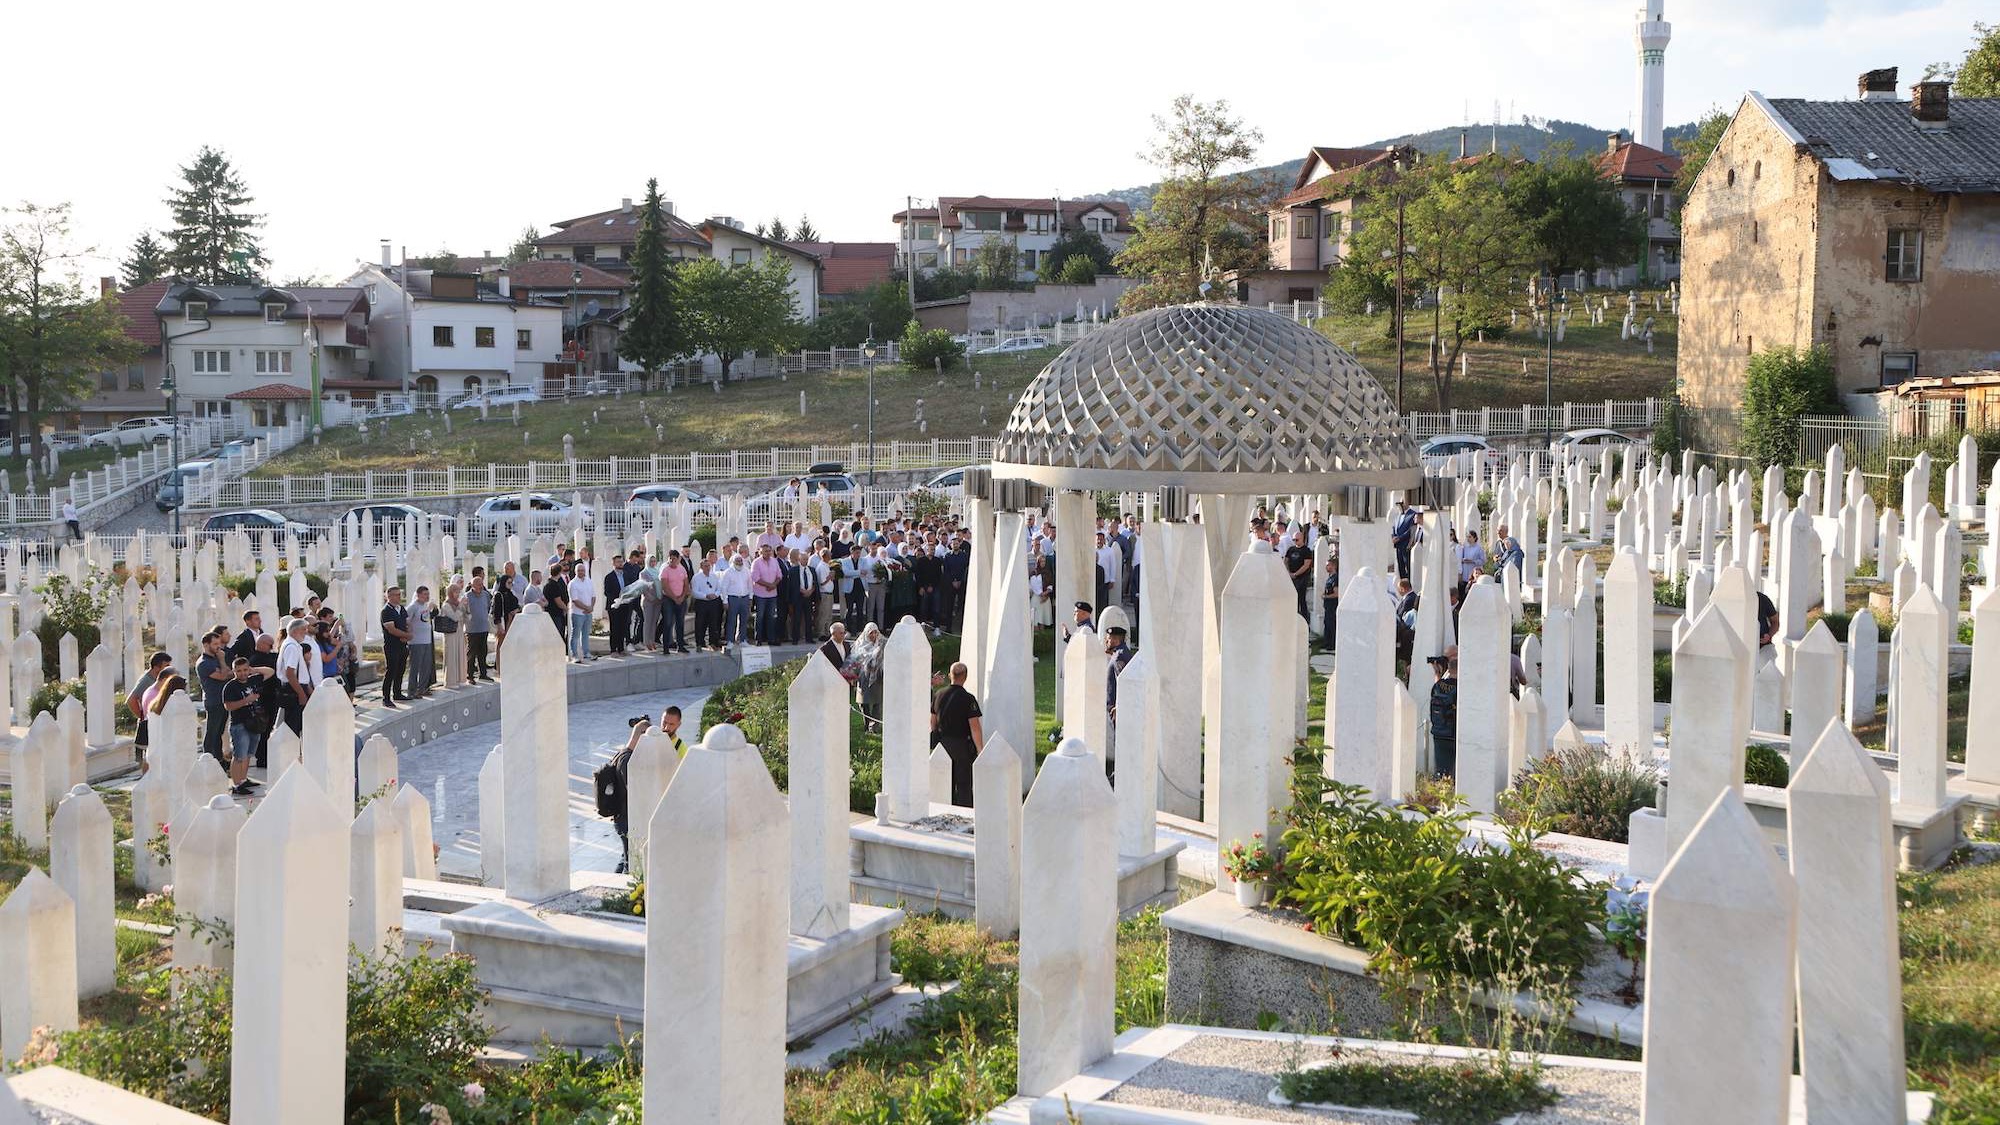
448	125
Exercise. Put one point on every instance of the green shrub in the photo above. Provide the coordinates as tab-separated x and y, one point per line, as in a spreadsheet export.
1673	595
246	585
922	503
1663	676
1405	887
704	533
414	1032
1764	766
1667	440
50	695
1582	791
74	608
1837	623
1781	386
1078	270
925	348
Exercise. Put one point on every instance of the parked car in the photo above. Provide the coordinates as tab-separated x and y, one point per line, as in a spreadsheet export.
949	479
840	488
173	488
389	514
1590	438
1453	445
504	511
665	494
1015	344
132	432
498	396
253	519
62	441
235	447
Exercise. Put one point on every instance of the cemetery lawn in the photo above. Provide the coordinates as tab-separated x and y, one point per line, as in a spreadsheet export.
751	414
1951	988
1591	364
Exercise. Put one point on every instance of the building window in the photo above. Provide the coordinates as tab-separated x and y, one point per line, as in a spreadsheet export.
524	339
211	408
211	361
482	336
274	363
1278	229
274	313
1305	230
981	220
584	254
1028	261
195	310
927	259
107	381
1905	259
927	232
1331	226
441	336
1898	366
1660	205
739	257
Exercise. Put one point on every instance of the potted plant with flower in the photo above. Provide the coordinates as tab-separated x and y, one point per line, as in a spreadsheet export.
1251	867
1625	906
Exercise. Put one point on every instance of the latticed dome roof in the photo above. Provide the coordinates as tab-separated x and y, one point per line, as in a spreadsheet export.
1217	398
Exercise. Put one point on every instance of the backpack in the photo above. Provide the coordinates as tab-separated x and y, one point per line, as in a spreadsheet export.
610	785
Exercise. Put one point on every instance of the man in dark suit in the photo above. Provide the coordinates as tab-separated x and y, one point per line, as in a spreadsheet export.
620	615
836	647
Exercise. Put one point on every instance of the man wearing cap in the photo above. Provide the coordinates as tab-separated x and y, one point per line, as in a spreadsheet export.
1117	655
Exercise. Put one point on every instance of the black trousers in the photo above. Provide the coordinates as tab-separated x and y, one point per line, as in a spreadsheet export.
215	724
708	622
475	656
621	625
961	752
1444	756
396	661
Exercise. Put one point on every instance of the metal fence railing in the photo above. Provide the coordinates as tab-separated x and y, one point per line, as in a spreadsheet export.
1530	421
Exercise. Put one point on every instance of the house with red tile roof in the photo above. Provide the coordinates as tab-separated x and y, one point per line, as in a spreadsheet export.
950	232
731	244
440	334
131	391
1311	225
1646	178
850	267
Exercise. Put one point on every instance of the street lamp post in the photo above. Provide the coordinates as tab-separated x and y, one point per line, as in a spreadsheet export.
576	330
1549	356
172	391
868	360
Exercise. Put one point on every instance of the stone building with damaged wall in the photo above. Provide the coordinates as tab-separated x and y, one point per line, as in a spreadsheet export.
1870	226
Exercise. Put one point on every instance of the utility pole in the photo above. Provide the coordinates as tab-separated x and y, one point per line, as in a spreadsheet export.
1401	199
909	250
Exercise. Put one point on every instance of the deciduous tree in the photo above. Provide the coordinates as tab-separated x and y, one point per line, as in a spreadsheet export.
1462	243
1574	215
54	335
1074	245
729	310
1694	152
1978	74
523	249
654	334
214	238
1186	234
145	263
998	263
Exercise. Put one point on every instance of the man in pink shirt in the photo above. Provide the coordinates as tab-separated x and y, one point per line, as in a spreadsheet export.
765	577
771	538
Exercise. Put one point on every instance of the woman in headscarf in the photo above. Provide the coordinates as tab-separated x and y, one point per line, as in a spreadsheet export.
867	664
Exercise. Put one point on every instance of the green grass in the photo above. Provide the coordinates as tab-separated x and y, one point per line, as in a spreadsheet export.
1957	706
1591	364
752	414
74	462
1951	989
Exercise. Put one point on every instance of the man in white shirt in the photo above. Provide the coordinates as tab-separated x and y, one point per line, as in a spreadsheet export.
707	590
582	598
299	674
736	597
1109	563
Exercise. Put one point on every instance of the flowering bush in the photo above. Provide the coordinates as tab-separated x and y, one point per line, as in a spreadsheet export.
1254	864
1625	912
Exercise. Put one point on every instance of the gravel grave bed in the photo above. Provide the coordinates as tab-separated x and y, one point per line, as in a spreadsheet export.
1227	1075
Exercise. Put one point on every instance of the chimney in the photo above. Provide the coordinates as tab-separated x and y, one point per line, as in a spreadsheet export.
625	205
1930	104
1613	140
667	205
385	254
506	284
1462	154
1878	85
106	286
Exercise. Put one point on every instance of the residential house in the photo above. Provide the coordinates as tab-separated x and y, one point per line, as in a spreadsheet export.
1870	226
951	233
606	239
131	391
1646	179
591	299
850	267
731	245
440	334
1311	226
250	351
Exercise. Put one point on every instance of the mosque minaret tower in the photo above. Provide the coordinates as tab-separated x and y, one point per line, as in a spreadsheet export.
1652	33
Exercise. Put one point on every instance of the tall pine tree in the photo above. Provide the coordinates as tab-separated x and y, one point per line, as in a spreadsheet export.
214	238
147	261
654	334
778	230
804	232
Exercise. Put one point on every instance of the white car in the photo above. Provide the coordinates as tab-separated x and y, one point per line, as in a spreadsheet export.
945	481
1455	445
132	432
499	396
548	512
1591	439
1015	344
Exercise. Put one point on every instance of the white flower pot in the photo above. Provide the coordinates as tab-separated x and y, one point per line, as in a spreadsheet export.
1249	894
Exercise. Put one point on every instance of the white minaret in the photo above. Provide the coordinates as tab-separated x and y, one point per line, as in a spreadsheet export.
1652	33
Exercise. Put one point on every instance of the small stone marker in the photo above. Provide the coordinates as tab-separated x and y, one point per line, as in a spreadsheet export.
534	730
327	746
906	677
1069	919
1922	643
1705	756
1138	735
1863	661
38	981
375	868
996	843
715	940
1719	974
205	886
377	767
817	769
419	859
80	861
492	833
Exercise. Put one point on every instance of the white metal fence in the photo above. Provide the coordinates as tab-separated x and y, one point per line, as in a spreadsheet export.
1532	421
610	472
